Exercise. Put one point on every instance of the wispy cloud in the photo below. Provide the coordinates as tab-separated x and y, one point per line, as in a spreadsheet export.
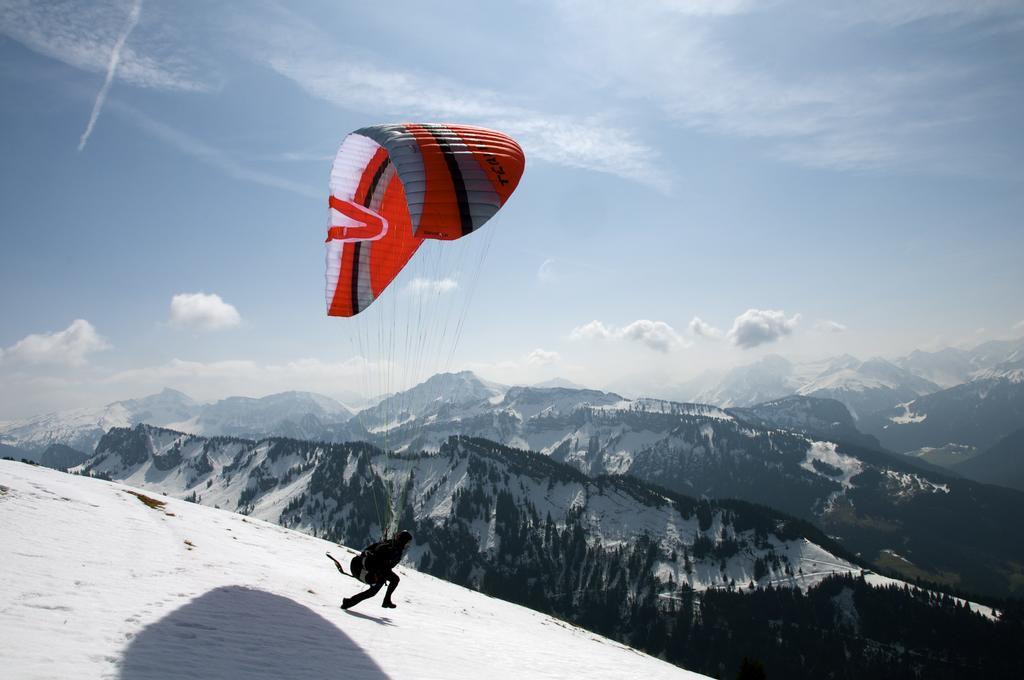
756	327
656	335
829	326
68	347
115	59
85	34
203	311
839	113
348	80
210	155
894	14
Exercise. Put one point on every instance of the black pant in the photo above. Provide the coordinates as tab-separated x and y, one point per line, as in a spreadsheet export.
389	577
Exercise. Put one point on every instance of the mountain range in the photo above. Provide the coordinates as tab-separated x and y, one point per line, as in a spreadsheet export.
975	414
869	389
863	386
664	572
291	413
800	455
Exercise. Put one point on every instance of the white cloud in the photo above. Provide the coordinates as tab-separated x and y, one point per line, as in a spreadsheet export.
1019	325
656	335
829	326
115	59
595	330
67	347
760	326
300	51
423	286
202	311
84	34
542	357
701	329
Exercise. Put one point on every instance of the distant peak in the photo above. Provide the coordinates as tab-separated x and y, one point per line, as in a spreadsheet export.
560	382
177	394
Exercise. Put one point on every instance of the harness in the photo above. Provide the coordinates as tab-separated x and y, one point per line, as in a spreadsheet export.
358	573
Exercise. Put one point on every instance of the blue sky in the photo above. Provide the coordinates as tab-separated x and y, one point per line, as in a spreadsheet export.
707	182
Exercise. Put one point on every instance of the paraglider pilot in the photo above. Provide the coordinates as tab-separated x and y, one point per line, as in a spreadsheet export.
375	566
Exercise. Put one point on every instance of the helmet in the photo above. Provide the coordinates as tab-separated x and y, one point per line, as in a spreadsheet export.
403	537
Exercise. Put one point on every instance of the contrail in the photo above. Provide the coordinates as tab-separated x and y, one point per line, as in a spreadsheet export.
115	59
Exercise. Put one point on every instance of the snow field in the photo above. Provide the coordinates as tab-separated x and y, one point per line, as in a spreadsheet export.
99	584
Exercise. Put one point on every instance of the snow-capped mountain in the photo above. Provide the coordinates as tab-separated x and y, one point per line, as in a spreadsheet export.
976	414
82	428
953	366
442	396
299	414
866	386
560	382
287	413
102	580
862	386
946	368
772	377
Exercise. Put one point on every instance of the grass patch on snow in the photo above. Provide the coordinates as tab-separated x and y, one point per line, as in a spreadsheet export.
150	502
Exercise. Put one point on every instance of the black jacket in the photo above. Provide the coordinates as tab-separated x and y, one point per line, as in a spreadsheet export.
382	555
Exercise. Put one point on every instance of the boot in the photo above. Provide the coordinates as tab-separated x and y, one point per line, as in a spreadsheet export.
388	604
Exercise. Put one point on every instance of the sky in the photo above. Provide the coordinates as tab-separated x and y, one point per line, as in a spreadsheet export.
707	182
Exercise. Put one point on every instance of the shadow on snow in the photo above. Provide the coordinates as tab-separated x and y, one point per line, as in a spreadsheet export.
236	632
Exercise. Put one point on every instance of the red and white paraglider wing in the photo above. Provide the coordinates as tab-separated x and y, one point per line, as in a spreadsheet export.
392	186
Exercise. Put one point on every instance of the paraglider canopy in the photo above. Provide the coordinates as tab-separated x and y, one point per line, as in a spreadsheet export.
393	186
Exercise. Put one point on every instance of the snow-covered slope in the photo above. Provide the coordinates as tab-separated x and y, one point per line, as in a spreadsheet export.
101	581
